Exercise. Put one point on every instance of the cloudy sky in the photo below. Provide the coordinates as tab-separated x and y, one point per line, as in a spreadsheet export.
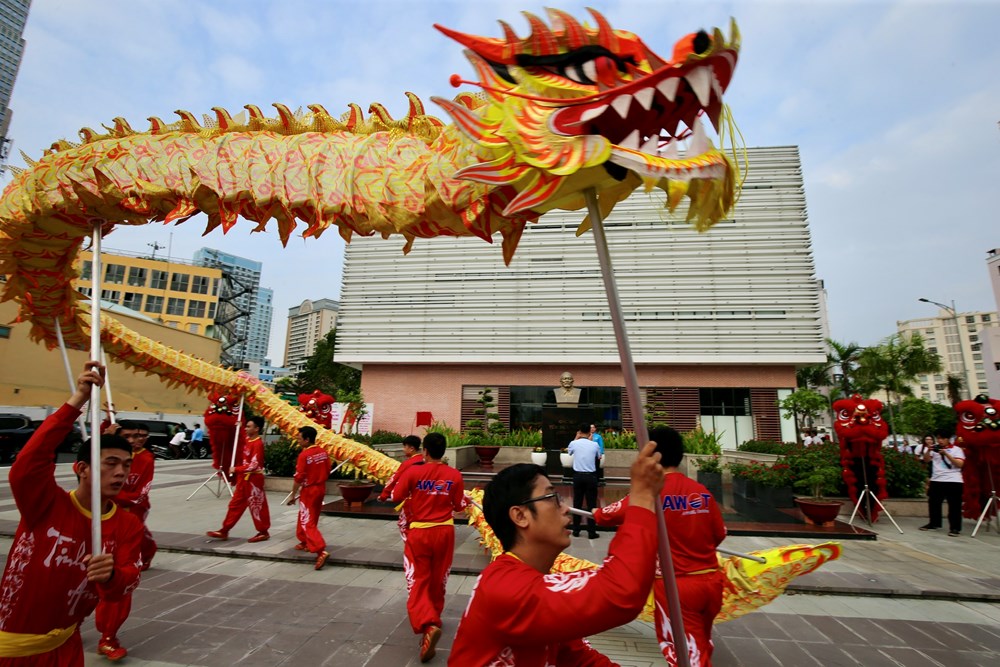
894	106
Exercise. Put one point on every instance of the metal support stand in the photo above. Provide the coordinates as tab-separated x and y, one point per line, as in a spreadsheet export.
989	504
631	378
868	492
220	478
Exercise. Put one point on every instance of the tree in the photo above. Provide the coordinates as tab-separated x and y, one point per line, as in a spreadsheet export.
323	373
804	403
844	356
921	417
956	385
813	377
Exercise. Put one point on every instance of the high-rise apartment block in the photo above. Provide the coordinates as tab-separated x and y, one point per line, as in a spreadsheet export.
242	339
13	16
178	294
308	323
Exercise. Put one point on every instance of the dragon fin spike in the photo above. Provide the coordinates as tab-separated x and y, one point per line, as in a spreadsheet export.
87	135
353	118
17	171
156	126
655	61
188	121
223	118
605	33
573	32
122	128
288	120
27	160
509	35
319	110
416	106
379	111
541	42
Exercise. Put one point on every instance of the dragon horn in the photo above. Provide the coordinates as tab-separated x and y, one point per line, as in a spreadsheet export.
541	41
605	35
574	33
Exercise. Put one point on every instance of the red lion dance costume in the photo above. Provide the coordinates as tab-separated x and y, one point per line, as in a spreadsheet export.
860	428
978	432
318	407
220	420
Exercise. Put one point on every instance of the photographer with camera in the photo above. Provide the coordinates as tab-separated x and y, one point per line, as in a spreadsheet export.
946	461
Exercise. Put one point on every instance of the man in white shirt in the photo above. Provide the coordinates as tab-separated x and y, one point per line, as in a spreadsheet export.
586	455
946	461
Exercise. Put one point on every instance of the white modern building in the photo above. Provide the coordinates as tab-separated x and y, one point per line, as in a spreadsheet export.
958	339
308	323
718	322
991	335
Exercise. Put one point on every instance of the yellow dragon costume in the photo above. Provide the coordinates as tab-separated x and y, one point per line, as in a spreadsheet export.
569	107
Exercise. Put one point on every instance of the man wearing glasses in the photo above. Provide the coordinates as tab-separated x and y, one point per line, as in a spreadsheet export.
133	498
520	612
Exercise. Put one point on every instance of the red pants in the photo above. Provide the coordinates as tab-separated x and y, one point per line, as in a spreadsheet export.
249	493
701	599
307	530
147	549
427	556
109	617
69	654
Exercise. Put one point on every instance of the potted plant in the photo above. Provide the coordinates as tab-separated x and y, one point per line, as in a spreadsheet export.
487	424
818	475
539	456
766	484
355	491
565	458
710	475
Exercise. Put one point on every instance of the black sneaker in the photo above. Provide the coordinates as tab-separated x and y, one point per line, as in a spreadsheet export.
930	527
953	533
594	536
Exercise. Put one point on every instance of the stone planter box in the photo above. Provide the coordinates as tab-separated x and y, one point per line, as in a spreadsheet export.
776	496
713	482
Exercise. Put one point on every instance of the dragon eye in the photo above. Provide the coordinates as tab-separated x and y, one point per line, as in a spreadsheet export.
843	414
968	417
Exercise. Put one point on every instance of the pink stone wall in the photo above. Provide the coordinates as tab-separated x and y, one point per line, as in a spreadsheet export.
399	391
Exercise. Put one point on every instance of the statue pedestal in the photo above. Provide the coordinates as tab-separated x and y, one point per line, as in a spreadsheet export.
559	425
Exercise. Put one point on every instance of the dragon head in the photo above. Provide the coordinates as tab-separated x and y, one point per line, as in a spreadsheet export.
318	407
978	421
859	419
573	106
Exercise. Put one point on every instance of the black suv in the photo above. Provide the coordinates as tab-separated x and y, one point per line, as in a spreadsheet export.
16	429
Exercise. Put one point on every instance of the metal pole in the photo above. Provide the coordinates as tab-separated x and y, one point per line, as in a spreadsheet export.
641	434
236	437
81	420
961	351
95	394
107	388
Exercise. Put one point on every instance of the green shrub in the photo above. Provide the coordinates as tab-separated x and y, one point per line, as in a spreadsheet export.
710	464
805	461
766	447
702	442
523	437
622	440
381	437
905	475
280	458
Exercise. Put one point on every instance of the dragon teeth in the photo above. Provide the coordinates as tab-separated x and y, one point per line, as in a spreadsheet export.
622	104
668	88
699	140
645	98
701	83
631	141
651	145
671	152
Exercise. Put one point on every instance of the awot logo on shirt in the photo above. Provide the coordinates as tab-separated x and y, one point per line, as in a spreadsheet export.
434	485
692	501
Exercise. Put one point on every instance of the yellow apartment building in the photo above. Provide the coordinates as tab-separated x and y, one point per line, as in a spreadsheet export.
177	294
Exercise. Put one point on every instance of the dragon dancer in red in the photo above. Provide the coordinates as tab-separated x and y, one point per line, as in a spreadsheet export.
133	498
521	613
51	581
433	492
312	469
249	487
411	450
695	527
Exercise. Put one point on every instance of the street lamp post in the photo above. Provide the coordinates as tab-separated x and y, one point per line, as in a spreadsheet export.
961	343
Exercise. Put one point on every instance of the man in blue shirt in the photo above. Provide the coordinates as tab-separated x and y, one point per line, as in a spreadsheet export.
197	441
586	456
599	439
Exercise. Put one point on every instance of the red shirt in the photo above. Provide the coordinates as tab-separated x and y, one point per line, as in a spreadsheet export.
396	476
312	467
252	456
519	617
694	523
135	492
44	584
433	492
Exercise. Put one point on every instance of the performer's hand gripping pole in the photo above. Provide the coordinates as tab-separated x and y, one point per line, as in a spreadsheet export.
639	417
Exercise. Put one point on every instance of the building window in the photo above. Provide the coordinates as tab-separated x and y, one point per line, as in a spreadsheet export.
193	328
154	304
986	317
211	311
196	308
974	339
976	347
132	300
215	287
158	279
977	356
172	325
179	282
84	291
136	276
969	319
111	295
199	284
85	270
114	273
725	402
175	306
